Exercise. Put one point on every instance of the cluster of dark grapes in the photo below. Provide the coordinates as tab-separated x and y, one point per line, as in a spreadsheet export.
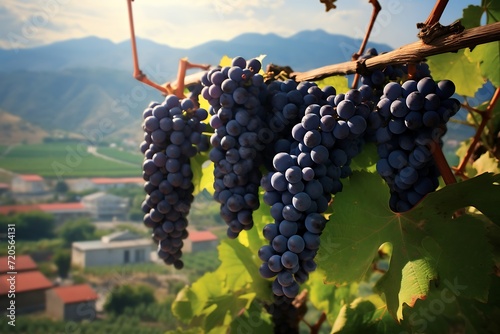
305	175
173	135
413	117
234	93
379	78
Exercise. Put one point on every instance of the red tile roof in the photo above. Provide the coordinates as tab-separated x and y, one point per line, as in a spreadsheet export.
4	185
75	293
30	177
7	209
46	207
25	282
124	180
200	236
21	263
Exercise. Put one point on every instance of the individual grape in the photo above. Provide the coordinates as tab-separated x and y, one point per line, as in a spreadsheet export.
346	109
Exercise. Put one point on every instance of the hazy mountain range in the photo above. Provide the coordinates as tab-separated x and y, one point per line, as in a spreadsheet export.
73	85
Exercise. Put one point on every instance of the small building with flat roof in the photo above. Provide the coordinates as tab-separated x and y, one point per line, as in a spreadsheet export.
118	248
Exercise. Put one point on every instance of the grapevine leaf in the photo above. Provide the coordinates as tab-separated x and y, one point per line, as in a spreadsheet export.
253	238
207	303
472	16
192	300
224	308
486	163
458	68
337	81
225	61
488	57
255	319
327	297
367	159
239	269
203	173
196	330
427	243
356	318
492	10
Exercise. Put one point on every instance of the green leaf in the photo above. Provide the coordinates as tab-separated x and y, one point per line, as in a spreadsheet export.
427	242
207	303
472	16
492	8
367	159
458	68
203	173
486	163
239	269
255	319
356	318
488	58
338	82
253	238
327	297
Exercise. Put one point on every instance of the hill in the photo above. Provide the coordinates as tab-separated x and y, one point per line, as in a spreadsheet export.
80	85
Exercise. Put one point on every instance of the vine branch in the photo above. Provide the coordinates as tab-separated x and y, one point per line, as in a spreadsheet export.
485	117
409	53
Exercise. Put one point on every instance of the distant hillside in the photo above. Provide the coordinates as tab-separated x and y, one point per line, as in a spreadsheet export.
14	130
80	101
78	85
303	51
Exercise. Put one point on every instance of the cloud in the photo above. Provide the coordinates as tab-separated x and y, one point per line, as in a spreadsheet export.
26	23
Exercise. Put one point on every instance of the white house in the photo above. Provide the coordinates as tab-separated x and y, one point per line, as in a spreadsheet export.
114	249
104	206
28	184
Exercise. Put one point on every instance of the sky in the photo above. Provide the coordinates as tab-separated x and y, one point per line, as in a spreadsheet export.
184	24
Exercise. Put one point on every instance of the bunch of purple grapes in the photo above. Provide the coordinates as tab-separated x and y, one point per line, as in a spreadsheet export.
300	187
173	135
377	79
237	115
413	117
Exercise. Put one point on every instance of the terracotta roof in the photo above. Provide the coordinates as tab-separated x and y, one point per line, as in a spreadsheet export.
109	180
4	185
21	263
30	177
46	207
75	293
61	206
7	209
200	236
25	282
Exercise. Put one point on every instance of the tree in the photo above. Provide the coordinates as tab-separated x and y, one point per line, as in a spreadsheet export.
62	259
31	226
125	295
78	230
61	187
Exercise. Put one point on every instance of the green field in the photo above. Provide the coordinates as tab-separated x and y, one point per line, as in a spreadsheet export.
127	156
2	149
63	160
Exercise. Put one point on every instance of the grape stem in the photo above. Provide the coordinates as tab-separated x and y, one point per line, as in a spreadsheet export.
376	9
410	53
431	28
442	164
176	87
485	118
